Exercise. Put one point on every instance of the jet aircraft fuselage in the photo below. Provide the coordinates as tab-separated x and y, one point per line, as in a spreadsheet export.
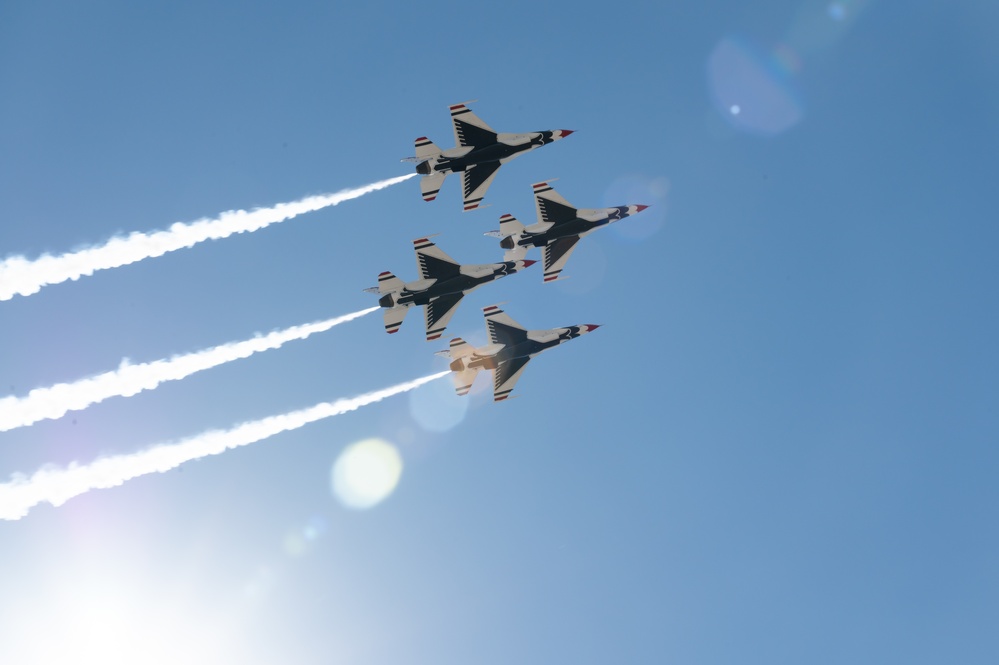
490	357
457	160
587	221
478	154
423	291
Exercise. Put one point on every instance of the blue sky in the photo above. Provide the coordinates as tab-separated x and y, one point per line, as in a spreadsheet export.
779	448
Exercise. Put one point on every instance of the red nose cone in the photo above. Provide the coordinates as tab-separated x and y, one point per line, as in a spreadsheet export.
528	264
590	327
641	208
566	132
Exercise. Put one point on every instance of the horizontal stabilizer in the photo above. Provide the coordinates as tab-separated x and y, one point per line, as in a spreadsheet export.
515	254
460	348
430	185
387	283
510	225
463	380
426	149
393	318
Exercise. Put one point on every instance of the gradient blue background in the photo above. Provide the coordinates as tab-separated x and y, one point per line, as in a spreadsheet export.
781	446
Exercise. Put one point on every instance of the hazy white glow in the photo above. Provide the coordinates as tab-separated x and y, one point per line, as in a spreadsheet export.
127	380
436	407
57	485
90	612
366	472
22	276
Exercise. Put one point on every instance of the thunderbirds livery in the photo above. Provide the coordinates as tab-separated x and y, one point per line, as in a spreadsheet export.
507	354
559	228
442	284
478	153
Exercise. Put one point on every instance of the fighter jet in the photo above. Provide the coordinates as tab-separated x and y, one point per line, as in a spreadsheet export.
507	354
559	228
442	284
478	153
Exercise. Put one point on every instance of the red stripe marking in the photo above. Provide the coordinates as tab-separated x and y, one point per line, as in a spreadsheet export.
457	106
420	240
382	274
423	138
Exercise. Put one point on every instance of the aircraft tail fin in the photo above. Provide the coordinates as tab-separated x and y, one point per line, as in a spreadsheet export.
463	376
393	318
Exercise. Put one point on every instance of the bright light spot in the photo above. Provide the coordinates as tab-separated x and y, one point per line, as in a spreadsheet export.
90	615
298	541
754	90
837	11
366	473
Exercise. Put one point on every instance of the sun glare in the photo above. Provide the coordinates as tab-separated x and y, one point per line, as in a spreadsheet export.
366	473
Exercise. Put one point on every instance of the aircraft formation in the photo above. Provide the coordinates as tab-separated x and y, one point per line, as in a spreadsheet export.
442	282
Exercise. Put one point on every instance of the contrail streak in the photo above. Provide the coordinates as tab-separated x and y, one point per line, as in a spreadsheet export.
22	276
57	485
54	401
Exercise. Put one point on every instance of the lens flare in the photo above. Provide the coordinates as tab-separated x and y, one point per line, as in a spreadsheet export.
366	473
753	90
436	408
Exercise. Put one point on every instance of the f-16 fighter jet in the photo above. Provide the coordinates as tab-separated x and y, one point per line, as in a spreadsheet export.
559	228
507	354
478	153
442	284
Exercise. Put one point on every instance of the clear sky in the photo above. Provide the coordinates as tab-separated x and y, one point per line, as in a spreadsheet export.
780	446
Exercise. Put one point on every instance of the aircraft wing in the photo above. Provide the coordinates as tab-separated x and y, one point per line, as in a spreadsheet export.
439	311
502	329
469	129
556	254
552	208
432	262
505	377
475	181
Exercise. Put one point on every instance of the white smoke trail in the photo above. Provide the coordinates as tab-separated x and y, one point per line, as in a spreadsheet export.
54	401
57	485
21	276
